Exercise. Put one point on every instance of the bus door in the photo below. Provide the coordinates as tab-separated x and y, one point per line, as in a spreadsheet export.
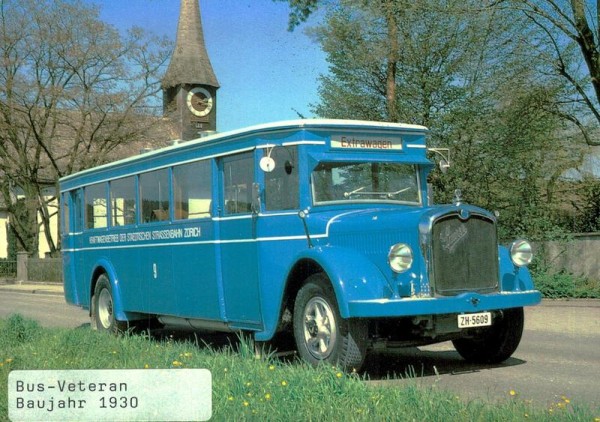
75	282
195	266
238	248
156	266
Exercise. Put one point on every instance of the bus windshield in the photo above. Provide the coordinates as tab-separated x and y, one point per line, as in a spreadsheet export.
365	182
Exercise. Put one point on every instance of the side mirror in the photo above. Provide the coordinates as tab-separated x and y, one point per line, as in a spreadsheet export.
444	160
444	165
267	164
255	198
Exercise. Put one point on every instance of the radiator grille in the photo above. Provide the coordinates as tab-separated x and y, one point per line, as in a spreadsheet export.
464	255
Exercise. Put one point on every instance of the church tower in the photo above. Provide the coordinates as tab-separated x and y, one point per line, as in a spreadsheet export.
190	85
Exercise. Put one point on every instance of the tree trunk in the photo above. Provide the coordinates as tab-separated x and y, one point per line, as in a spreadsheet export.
392	61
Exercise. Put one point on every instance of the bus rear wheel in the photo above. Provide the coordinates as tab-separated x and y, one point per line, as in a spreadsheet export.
495	344
103	312
321	334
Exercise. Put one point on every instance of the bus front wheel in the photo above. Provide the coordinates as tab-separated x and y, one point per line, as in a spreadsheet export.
321	334
495	344
103	312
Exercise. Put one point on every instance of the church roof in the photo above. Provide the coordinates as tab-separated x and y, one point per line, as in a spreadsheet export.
190	63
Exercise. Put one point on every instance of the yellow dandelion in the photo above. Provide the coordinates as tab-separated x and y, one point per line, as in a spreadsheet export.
230	398
114	352
512	393
267	396
284	383
271	367
248	384
9	360
146	366
246	404
185	355
596	419
526	415
339	375
561	405
177	363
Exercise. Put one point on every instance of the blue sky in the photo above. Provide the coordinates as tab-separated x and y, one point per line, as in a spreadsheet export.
265	72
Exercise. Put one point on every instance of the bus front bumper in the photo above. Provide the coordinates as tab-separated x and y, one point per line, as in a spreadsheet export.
464	303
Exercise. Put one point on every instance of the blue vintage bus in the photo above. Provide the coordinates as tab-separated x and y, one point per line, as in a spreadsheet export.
323	229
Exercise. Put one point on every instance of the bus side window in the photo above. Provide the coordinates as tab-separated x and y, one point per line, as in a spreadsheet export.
154	195
95	206
281	184
238	174
77	206
122	201
66	216
192	190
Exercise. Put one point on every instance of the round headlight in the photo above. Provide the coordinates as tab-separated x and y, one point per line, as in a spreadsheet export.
400	257
521	253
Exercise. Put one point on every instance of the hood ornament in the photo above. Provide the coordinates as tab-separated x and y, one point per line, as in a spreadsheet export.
457	197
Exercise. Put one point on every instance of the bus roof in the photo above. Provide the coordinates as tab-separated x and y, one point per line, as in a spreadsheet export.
287	125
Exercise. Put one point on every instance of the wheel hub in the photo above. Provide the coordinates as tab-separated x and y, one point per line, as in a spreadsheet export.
320	331
105	308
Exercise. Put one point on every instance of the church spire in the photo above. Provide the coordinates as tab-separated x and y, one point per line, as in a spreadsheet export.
190	63
190	85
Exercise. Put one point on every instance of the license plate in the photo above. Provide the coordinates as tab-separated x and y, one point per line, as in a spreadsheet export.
482	319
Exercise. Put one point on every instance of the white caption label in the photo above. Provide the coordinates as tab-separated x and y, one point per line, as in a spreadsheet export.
110	395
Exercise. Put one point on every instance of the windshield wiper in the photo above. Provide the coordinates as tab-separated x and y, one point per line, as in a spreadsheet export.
355	191
360	191
390	194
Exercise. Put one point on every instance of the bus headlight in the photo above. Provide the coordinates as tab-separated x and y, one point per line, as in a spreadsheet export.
521	253
400	257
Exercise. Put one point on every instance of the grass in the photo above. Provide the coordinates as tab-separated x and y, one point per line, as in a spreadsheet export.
249	388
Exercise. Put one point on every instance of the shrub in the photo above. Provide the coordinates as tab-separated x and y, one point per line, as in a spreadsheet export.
18	330
561	285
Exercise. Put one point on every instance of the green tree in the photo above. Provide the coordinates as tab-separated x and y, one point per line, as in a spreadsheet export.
568	41
467	72
72	91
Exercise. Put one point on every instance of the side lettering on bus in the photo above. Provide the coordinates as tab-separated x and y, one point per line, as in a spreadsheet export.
147	235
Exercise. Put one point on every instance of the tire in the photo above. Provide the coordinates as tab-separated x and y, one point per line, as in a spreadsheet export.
321	334
495	344
103	308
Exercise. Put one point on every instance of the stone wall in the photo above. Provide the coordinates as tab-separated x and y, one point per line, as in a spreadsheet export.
580	256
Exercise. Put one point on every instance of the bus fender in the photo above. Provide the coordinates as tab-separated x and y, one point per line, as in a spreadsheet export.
104	266
512	277
353	276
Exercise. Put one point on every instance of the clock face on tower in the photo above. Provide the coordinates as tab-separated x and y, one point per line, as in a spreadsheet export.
199	101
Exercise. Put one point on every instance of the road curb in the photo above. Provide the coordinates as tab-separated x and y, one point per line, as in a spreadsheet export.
575	303
34	288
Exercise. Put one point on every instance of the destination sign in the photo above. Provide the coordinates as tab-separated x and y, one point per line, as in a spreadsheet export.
366	142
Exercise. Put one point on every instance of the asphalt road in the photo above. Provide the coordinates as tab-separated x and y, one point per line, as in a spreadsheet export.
559	355
48	309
